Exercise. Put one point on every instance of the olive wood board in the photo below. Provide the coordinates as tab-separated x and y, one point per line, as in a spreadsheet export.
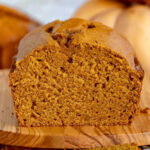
70	137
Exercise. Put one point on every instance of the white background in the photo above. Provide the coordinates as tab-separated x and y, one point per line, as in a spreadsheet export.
46	10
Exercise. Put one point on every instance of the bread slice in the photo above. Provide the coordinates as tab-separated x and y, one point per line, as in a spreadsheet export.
75	72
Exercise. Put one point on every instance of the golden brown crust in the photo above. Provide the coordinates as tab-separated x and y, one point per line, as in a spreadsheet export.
105	37
13	26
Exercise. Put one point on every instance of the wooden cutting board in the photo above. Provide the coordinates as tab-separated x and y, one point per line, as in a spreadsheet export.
70	137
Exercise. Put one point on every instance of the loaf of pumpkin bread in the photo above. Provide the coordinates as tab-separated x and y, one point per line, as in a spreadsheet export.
13	26
75	72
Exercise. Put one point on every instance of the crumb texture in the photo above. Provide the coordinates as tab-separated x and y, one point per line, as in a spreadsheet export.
70	83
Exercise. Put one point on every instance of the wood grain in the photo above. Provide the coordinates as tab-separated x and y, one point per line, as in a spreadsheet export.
5	147
70	137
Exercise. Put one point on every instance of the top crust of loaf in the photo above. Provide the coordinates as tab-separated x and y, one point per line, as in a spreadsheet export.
83	31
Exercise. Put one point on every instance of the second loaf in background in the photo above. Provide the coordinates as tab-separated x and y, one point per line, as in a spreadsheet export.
13	26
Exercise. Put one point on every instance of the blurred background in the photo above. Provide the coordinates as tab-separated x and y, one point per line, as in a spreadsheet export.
46	10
